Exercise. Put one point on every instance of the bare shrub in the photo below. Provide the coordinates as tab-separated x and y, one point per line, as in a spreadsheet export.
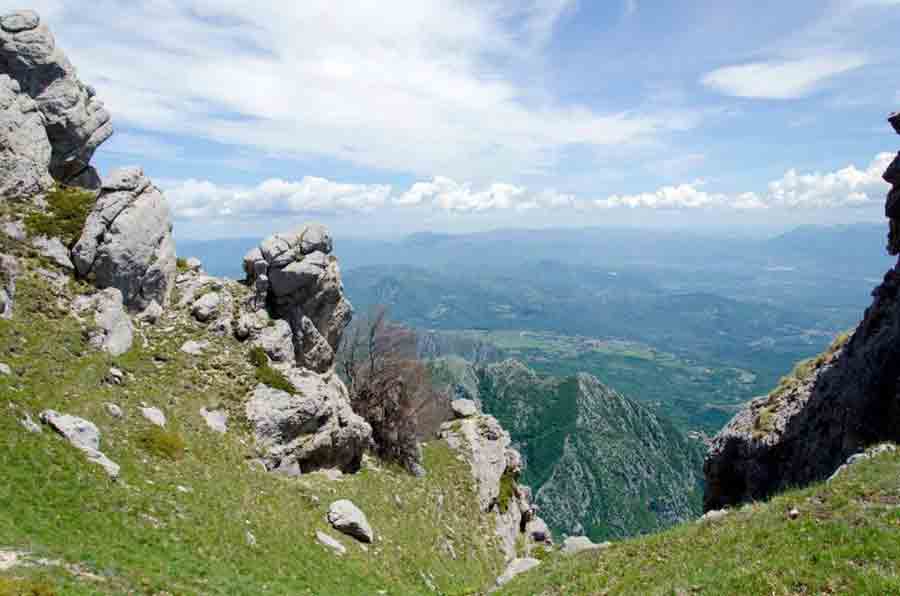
391	388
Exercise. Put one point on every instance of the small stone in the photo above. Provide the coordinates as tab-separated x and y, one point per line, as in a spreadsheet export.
516	567
331	543
464	408
183	489
5	370
794	513
250	538
115	376
714	515
576	544
154	416
113	410
215	420
29	424
194	348
346	517
207	306
152	314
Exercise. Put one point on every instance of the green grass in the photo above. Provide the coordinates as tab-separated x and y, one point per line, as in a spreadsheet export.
181	265
845	541
143	535
267	375
507	491
67	210
162	443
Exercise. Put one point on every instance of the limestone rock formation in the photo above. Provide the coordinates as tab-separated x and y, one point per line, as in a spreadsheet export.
839	404
495	467
314	428
127	240
24	148
112	329
297	280
75	121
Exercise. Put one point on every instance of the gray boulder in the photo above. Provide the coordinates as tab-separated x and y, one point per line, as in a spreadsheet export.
295	276
154	416
347	518
75	121
5	369
576	544
194	347
277	340
464	408
24	147
538	531
9	272
83	435
313	429
216	420
127	240
112	330
55	250
29	425
206	307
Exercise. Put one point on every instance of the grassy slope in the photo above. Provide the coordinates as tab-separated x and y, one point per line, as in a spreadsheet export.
845	541
142	534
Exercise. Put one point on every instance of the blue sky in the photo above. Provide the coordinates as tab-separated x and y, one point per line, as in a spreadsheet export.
386	117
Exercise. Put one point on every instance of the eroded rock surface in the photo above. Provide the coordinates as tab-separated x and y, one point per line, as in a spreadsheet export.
75	121
495	466
112	330
24	148
299	281
127	241
83	435
314	428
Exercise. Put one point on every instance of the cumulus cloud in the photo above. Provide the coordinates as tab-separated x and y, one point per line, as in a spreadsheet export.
193	199
781	79
845	188
684	196
448	195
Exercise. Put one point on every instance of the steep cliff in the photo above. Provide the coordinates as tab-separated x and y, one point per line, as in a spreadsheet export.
829	409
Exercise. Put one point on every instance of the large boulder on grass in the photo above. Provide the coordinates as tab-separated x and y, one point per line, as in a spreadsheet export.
127	241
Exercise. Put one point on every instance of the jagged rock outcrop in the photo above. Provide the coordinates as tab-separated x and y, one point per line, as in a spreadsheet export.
495	466
127	240
312	429
833	407
298	280
24	148
892	207
75	121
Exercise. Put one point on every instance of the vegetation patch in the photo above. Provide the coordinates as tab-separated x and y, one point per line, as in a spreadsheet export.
804	371
267	375
181	264
162	443
507	491
24	587
67	211
764	423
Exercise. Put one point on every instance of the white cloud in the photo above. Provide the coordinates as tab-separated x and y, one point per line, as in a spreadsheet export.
412	86
448	195
847	187
193	199
684	196
781	79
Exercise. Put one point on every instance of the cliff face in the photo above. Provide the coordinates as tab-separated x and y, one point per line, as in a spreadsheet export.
831	408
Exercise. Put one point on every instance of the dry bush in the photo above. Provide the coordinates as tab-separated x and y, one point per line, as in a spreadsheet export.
391	388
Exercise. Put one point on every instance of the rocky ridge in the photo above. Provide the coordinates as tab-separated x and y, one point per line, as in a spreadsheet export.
830	408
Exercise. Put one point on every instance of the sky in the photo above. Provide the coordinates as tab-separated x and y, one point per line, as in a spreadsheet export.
386	117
